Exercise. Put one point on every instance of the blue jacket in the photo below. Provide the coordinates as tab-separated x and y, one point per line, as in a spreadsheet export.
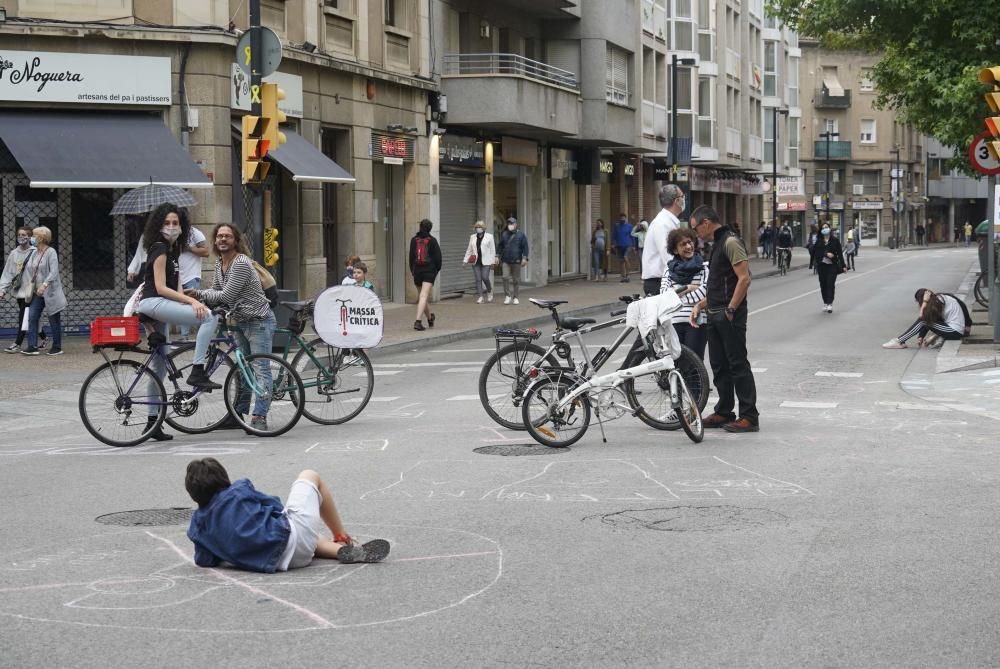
513	247
241	526
623	235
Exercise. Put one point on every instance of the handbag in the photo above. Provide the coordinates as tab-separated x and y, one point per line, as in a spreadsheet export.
31	284
471	259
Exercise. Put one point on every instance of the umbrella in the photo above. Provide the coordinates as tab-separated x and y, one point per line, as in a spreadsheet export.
147	198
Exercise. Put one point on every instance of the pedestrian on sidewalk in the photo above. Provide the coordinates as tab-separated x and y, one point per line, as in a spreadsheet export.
639	232
920	234
811	245
968	233
480	254
941	313
599	251
828	257
726	330
655	255
425	263
43	268
235	523
15	281
621	244
687	276
513	252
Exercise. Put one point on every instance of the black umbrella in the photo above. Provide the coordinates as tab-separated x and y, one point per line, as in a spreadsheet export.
147	198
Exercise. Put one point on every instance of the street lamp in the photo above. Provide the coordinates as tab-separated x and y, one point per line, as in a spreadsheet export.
774	172
674	62
895	199
827	135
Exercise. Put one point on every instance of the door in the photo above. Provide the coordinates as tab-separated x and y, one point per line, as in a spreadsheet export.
458	213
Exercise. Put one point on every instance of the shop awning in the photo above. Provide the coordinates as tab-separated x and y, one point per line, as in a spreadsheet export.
306	162
97	150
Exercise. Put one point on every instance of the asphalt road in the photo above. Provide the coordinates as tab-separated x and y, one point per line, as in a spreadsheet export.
856	529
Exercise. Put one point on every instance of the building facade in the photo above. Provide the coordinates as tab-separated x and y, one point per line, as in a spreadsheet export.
953	199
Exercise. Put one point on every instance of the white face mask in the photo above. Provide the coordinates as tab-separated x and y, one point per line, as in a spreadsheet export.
512	227
170	234
480	231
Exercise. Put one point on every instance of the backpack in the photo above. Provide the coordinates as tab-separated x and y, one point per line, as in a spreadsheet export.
268	283
423	251
965	309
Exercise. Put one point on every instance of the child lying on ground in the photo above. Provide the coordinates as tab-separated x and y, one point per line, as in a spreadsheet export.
235	523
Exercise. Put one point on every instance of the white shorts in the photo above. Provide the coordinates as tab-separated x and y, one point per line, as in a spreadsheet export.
302	511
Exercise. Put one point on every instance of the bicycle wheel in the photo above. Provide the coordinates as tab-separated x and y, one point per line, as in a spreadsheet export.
649	395
264	386
115	401
982	295
338	382
690	414
191	410
503	380
548	425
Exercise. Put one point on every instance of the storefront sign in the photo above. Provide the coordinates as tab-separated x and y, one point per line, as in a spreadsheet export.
790	186
859	204
519	151
44	76
392	149
462	151
792	206
291	84
349	317
606	166
562	163
629	168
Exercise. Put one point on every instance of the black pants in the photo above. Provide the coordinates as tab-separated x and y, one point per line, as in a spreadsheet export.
22	306
651	286
694	338
827	281
727	349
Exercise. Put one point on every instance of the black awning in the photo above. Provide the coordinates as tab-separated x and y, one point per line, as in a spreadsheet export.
306	162
97	150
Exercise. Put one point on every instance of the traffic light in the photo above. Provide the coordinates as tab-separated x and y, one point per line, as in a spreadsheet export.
271	256
255	147
991	75
269	96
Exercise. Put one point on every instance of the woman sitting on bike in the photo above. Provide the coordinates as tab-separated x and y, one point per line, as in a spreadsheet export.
162	300
236	286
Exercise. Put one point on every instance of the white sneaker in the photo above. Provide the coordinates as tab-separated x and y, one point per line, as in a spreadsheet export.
506	300
479	300
829	308
894	343
489	296
824	307
516	301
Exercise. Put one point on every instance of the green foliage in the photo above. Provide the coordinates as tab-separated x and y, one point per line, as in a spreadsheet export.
932	51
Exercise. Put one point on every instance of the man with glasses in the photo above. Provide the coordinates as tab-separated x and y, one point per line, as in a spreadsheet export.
726	306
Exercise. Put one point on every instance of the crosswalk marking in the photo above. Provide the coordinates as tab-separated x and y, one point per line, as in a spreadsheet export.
458	370
374	399
758	370
469	398
381	372
788	404
842	375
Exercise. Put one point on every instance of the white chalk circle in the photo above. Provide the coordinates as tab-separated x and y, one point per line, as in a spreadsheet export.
349	317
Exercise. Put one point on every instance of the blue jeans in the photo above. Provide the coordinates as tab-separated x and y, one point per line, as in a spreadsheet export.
193	283
596	257
55	324
260	336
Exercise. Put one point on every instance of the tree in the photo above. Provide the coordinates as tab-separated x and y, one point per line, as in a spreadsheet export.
932	51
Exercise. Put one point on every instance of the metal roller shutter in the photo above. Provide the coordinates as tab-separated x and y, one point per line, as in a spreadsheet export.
458	213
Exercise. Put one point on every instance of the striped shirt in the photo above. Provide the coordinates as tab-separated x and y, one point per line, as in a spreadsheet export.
683	315
239	289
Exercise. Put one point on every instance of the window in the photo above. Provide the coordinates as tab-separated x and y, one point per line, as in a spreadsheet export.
684	88
617	67
867	182
792	77
867	131
391	15
770	69
793	143
272	15
866	80
830	126
705	9
819	183
93	252
706	111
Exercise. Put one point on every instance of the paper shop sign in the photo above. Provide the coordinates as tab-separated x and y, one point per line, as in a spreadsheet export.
43	76
349	317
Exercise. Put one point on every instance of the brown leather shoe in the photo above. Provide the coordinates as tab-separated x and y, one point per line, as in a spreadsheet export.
715	420
741	425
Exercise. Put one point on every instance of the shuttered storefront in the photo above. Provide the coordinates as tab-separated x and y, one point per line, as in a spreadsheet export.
458	213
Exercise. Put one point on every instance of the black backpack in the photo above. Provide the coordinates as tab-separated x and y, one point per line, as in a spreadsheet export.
965	309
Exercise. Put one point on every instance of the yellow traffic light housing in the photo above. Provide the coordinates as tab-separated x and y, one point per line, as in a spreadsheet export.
270	94
271	256
255	148
991	76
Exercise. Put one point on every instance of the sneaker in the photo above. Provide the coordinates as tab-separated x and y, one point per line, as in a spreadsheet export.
489	296
894	343
506	300
259	423
29	351
829	308
479	300
741	425
55	351
375	550
516	301
13	348
715	420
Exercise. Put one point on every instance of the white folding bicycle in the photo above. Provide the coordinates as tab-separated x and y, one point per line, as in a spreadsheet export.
557	405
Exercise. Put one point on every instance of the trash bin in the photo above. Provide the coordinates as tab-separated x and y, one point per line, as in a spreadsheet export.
892	242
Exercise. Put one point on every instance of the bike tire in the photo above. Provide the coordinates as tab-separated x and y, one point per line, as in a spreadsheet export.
657	412
206	411
102	403
982	296
282	394
689	413
502	382
339	388
554	431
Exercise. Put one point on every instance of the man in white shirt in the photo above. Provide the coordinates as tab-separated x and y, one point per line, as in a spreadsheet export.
190	264
654	254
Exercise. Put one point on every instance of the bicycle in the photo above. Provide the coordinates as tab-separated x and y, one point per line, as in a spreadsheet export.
115	399
338	382
557	405
506	373
784	260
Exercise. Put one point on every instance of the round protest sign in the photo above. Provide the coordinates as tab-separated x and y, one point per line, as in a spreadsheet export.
349	317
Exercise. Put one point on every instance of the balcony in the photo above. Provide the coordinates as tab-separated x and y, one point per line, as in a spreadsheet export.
824	100
507	92
838	150
654	18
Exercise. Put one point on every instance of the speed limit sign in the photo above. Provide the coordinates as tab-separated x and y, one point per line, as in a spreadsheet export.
980	156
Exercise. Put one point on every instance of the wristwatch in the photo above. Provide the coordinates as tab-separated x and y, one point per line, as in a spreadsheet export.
730	311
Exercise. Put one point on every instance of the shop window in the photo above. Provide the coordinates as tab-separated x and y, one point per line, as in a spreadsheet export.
93	239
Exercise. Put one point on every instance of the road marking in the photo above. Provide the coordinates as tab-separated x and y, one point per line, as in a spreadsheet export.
456	370
381	372
374	399
464	398
842	375
407	365
788	404
758	370
492	349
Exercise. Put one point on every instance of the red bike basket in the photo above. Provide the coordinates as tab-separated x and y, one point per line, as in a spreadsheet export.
114	331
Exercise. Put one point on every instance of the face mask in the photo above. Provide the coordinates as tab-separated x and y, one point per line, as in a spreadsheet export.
512	228
170	234
34	242
23	241
480	231
826	231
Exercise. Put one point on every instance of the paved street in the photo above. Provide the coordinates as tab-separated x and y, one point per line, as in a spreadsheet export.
857	528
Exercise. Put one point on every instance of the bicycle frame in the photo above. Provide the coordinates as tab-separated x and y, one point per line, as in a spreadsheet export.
617	378
320	367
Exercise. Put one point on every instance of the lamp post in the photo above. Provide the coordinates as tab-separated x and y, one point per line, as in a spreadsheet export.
827	135
774	175
674	62
895	199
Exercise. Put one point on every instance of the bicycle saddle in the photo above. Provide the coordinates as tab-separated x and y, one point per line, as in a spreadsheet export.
547	304
297	306
574	324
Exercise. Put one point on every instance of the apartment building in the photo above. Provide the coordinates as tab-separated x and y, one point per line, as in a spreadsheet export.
102	95
953	199
871	165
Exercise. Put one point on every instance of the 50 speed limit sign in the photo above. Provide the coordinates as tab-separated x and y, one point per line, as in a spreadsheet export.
980	156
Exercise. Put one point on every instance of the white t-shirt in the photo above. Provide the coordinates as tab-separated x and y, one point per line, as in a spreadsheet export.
952	314
189	262
654	253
